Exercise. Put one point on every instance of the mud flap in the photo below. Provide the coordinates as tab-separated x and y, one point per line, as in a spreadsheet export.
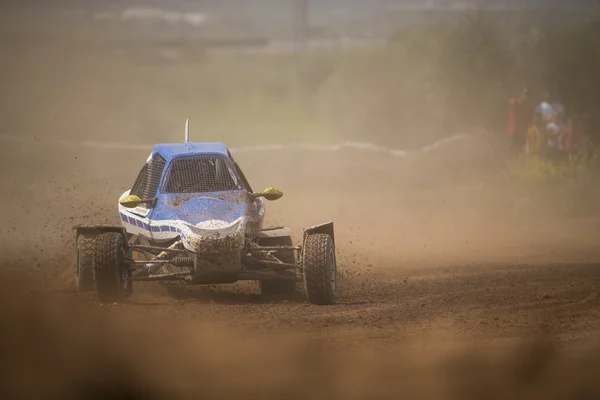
95	230
326	228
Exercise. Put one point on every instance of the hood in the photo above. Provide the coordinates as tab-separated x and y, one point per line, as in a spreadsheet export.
203	210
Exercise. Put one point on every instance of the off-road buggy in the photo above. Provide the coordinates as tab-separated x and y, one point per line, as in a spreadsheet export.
191	215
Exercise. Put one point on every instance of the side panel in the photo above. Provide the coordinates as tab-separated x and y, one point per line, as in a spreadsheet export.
135	225
257	206
148	181
240	173
142	226
256	217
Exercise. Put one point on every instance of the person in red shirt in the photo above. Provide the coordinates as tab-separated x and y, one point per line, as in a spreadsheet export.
520	115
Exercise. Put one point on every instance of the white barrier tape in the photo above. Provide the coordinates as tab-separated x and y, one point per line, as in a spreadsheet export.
442	142
270	147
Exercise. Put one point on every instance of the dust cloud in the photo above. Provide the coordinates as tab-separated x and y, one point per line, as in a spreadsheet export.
455	285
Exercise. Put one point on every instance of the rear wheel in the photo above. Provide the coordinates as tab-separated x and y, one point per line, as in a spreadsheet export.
279	288
110	271
320	269
84	270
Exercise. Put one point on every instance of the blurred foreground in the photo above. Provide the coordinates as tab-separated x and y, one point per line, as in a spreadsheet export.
55	348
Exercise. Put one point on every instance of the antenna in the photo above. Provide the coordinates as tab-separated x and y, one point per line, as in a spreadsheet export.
187	130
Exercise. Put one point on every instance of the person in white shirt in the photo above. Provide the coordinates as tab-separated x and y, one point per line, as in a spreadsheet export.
545	109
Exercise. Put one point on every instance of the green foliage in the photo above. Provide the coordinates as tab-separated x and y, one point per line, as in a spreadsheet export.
482	60
576	168
428	82
457	75
571	185
476	65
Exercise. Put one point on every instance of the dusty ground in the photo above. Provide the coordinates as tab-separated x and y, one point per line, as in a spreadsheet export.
454	286
431	270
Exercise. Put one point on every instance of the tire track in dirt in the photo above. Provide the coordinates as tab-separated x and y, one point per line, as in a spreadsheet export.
488	302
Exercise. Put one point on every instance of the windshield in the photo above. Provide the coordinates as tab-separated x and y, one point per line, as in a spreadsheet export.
200	173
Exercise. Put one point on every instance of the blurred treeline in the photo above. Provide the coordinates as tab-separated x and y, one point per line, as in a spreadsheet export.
426	82
458	75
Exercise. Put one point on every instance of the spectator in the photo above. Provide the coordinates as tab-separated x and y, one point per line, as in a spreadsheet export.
519	120
544	109
568	136
534	138
580	142
554	135
558	110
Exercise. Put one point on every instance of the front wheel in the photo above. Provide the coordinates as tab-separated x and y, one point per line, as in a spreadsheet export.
84	272
111	273
320	270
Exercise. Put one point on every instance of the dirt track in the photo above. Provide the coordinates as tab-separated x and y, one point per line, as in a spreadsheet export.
427	270
498	302
439	255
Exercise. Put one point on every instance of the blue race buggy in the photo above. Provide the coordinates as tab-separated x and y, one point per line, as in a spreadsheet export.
191	215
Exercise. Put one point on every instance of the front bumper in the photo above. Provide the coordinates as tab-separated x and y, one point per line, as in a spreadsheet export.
217	253
224	239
